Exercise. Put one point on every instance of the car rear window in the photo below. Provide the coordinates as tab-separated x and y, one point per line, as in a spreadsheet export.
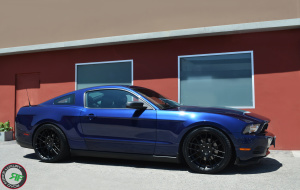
65	100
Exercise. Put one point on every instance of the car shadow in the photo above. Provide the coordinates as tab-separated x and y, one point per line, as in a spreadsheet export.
266	165
117	162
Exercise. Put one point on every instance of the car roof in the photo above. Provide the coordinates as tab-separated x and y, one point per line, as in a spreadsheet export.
109	86
82	91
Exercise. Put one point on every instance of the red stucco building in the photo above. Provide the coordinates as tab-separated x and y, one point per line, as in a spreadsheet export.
253	66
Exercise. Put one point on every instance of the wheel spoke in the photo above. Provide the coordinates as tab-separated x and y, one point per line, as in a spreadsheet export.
205	150
218	156
54	151
195	158
219	151
193	149
41	140
198	141
47	144
193	154
56	147
194	144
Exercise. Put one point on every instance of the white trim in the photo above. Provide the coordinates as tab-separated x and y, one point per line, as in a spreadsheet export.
103	62
178	78
192	32
225	53
253	84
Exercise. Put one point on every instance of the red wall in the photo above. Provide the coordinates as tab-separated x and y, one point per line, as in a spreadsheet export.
276	68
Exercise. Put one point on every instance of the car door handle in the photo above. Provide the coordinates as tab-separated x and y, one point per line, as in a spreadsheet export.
91	116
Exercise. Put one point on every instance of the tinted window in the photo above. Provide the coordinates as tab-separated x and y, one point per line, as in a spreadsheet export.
98	74
156	98
65	100
217	80
109	99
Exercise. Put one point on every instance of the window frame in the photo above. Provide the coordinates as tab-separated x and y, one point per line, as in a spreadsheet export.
103	62
135	94
224	53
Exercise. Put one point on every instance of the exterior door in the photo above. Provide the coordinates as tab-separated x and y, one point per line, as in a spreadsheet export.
27	85
109	126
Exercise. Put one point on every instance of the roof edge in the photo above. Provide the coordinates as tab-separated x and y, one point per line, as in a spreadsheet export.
142	37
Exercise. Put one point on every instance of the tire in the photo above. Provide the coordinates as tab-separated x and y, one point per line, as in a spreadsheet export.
50	144
206	150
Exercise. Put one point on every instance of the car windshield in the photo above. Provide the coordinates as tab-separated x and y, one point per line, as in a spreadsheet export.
157	99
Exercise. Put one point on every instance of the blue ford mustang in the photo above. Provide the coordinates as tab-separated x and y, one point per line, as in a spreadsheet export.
137	123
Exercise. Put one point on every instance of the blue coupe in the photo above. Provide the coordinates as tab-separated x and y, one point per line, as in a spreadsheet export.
132	122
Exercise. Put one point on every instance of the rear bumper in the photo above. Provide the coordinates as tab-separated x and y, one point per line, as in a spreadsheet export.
251	148
23	140
24	144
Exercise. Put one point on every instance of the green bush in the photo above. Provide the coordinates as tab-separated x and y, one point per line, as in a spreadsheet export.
4	127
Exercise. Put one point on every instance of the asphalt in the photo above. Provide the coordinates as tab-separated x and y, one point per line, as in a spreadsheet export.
280	170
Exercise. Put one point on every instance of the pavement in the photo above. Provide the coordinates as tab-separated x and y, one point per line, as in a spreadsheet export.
280	170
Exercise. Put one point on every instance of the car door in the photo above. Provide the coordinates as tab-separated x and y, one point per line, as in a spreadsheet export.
111	127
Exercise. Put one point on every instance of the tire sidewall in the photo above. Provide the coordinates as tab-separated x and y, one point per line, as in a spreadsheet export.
224	140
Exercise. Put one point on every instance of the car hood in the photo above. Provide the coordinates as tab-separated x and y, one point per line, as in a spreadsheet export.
224	111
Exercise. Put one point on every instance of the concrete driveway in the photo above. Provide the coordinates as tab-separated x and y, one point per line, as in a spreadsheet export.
280	170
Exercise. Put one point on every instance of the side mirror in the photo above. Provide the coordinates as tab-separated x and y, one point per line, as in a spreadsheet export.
135	105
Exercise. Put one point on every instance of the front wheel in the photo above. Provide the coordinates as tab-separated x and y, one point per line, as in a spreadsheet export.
50	143
206	150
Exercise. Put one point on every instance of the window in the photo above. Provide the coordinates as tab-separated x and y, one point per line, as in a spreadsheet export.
156	98
109	98
104	73
224	79
65	100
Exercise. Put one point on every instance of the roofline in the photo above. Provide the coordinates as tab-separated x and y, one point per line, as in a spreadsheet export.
103	86
152	36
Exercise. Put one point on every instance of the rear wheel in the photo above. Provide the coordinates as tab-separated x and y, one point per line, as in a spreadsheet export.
50	143
207	150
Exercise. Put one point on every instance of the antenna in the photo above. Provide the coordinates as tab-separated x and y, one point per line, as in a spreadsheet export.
28	98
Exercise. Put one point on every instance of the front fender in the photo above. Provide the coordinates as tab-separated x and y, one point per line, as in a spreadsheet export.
172	127
193	126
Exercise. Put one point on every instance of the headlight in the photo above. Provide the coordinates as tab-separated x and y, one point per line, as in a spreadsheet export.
252	128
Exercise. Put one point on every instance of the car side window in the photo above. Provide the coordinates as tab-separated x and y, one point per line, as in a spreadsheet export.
65	100
109	98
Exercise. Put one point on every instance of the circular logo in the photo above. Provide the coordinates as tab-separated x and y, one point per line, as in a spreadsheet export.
13	176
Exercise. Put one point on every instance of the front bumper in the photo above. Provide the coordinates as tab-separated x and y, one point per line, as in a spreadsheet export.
251	148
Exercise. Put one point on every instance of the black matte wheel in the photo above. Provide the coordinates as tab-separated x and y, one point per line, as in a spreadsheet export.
50	143
206	150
